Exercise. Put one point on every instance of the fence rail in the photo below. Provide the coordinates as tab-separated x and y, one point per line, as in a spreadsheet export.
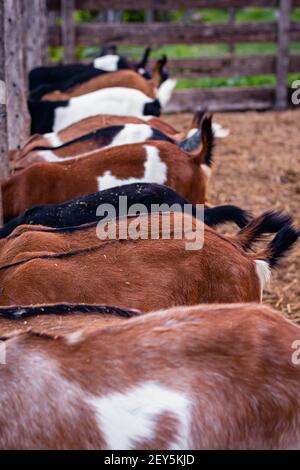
165	5
156	34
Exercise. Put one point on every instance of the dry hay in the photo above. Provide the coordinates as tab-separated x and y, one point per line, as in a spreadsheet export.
258	168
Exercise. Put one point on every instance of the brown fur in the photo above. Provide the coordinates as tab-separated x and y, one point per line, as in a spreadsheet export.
123	78
232	362
52	183
136	274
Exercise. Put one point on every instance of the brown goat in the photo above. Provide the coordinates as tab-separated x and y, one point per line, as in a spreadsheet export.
122	78
147	273
203	377
156	162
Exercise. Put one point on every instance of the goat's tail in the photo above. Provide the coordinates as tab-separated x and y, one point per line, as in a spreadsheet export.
165	91
227	213
286	236
279	246
268	222
193	137
205	155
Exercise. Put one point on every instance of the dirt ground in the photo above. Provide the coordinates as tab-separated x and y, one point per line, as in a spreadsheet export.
258	168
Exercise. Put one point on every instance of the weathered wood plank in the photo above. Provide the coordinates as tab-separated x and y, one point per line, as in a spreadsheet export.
4	162
226	66
68	30
156	34
282	67
18	122
167	4
231	21
222	99
36	31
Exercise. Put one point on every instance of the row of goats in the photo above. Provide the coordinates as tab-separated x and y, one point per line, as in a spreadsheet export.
135	342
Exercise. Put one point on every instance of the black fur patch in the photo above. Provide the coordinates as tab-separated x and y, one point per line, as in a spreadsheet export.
42	115
152	109
19	312
281	244
71	214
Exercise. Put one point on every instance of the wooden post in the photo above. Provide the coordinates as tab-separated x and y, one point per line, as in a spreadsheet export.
18	122
68	30
231	22
149	16
36	32
282	66
4	162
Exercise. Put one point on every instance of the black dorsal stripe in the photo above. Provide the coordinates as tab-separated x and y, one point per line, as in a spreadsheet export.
20	312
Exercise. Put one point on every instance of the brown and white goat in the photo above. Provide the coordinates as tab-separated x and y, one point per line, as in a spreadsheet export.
93	123
155	162
150	272
202	377
104	138
122	78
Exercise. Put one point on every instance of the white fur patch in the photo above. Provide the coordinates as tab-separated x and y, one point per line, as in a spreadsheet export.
191	132
125	419
53	139
119	101
74	338
108	62
131	134
165	91
264	274
155	172
206	170
219	131
48	156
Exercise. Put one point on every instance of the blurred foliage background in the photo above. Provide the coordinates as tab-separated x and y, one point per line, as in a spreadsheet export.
201	16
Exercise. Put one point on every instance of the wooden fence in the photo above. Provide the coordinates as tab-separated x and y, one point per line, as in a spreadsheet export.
156	34
23	45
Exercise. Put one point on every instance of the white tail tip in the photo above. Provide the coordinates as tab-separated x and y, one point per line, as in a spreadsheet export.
165	91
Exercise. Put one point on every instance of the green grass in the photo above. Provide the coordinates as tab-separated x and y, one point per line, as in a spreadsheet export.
258	80
177	51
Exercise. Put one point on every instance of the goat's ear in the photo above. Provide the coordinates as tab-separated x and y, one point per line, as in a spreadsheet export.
198	118
157	71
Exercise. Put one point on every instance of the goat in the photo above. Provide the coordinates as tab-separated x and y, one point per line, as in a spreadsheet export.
125	78
202	377
43	80
83	210
50	116
102	138
146	271
157	162
93	123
